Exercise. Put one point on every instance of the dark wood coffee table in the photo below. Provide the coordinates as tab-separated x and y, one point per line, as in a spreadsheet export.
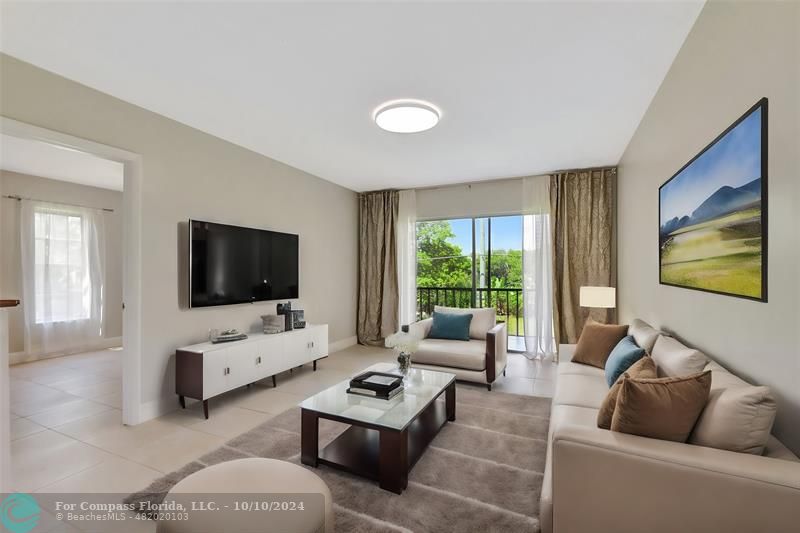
386	437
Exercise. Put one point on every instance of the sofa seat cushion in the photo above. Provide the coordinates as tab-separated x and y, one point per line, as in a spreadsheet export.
581	390
568	367
470	355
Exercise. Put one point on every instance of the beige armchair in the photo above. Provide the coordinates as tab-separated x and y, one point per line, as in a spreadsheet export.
479	360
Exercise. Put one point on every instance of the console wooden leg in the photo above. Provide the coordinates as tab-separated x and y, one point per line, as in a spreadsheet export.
274	383
393	460
450	402
183	402
205	408
309	438
315	365
504	371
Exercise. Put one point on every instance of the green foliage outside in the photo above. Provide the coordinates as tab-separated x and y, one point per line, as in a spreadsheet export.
442	263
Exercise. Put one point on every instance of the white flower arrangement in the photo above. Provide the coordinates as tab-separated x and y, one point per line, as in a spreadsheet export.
403	342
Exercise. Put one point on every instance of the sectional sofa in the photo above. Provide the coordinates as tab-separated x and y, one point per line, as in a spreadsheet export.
596	480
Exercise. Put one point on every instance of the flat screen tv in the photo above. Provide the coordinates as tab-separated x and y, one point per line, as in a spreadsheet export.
234	265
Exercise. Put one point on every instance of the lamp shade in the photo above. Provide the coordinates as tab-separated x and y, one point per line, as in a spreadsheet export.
598	297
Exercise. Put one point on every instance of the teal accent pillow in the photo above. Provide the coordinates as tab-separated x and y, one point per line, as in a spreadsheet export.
450	326
624	354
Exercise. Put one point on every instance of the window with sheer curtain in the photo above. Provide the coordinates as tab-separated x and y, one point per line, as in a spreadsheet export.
62	288
63	276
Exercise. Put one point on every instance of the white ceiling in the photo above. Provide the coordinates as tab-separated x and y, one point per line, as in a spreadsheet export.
38	158
525	88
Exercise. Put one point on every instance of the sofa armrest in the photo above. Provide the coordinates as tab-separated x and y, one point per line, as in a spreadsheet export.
421	328
626	483
496	351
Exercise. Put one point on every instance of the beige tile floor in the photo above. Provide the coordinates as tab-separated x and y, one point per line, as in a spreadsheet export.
67	432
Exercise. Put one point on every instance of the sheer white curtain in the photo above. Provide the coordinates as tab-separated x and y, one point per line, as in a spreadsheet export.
407	256
537	267
63	276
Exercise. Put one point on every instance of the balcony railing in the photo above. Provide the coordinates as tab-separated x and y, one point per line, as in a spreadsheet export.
507	303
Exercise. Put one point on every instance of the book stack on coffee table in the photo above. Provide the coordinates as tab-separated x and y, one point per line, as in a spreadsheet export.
376	385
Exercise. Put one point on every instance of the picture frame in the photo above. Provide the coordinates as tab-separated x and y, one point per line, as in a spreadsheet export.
713	214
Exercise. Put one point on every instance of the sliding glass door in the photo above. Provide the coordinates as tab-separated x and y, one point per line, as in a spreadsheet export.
472	262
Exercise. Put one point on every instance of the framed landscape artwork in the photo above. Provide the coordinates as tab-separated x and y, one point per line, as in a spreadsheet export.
713	214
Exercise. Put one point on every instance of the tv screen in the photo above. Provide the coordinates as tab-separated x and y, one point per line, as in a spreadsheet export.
233	265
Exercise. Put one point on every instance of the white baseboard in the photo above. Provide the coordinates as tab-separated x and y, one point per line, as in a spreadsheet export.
24	357
156	408
342	344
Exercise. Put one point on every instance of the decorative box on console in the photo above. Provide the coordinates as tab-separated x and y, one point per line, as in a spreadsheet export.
273	323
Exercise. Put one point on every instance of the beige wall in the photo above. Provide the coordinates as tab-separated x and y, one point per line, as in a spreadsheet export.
12	183
189	174
735	54
486	198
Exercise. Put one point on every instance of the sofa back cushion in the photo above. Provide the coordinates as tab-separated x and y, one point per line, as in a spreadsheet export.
624	354
596	342
644	334
643	368
450	326
483	319
738	416
661	408
673	359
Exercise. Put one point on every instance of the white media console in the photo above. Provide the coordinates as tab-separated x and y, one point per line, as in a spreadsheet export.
205	370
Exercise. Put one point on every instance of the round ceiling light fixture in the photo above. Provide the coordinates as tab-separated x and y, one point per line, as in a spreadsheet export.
406	116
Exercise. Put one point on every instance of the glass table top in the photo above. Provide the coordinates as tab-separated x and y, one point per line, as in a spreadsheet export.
419	388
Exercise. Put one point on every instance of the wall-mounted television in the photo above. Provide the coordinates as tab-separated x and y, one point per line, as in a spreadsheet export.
234	265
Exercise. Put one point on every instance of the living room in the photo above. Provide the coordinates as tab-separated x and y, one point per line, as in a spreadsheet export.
473	171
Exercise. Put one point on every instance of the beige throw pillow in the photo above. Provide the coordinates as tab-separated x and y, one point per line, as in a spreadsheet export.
737	418
673	359
643	368
661	408
596	342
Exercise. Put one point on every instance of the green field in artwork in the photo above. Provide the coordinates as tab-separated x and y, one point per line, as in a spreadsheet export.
722	254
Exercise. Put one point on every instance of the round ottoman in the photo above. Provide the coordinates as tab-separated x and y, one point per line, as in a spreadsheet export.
249	496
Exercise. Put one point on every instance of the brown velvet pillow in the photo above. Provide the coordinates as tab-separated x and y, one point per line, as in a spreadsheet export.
643	368
661	408
596	342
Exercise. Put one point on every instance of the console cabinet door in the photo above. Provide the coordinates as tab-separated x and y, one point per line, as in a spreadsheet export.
296	349
215	377
241	365
269	354
319	340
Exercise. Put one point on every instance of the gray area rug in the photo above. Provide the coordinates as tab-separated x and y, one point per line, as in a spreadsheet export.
483	472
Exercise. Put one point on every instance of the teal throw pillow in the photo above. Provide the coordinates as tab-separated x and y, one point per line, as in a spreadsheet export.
624	354
454	327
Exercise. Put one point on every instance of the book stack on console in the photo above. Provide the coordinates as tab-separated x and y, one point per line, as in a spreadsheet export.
376	385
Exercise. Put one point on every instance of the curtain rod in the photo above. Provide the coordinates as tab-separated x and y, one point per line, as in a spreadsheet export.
20	198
